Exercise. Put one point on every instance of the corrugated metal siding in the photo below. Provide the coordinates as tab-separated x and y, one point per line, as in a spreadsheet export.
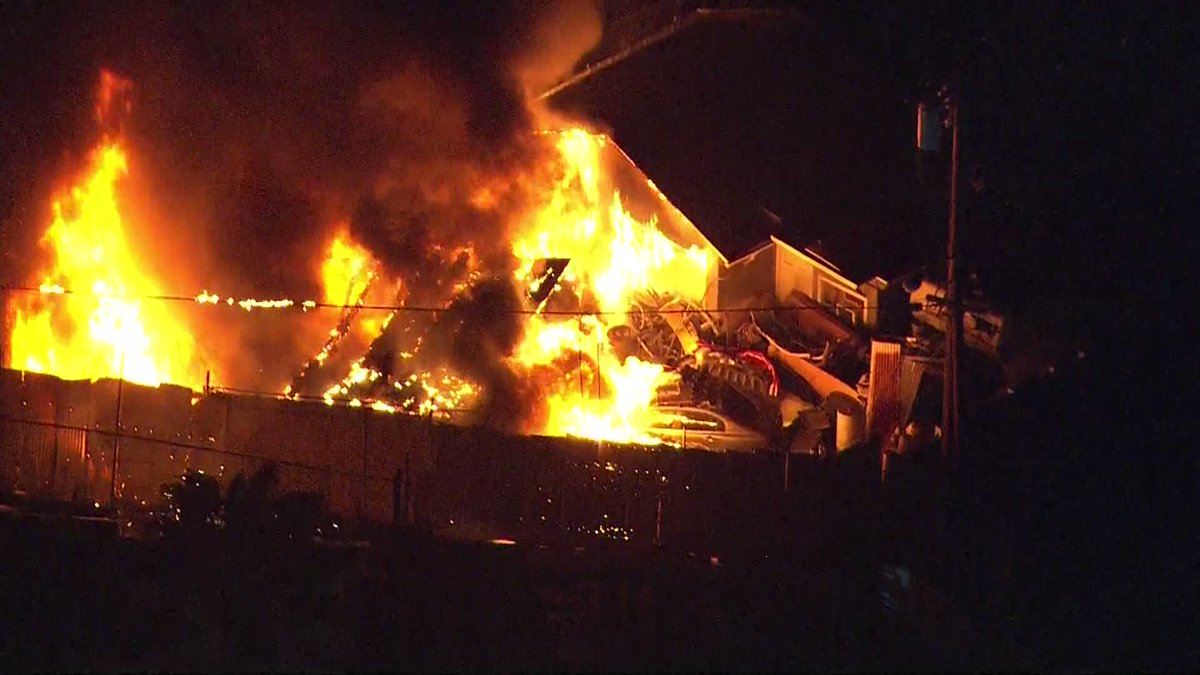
884	398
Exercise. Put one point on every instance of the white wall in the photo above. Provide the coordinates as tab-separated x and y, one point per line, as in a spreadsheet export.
793	273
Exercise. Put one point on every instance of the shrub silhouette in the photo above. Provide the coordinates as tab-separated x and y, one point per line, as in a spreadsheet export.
192	504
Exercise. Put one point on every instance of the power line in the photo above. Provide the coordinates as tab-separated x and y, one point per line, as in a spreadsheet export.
250	304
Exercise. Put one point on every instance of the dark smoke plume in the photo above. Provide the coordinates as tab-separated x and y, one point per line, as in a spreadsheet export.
257	127
473	336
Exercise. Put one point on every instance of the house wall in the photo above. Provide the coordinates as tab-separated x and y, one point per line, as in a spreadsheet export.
797	272
749	280
846	304
871	291
644	201
793	273
712	296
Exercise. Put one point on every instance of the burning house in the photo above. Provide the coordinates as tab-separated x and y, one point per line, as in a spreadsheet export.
604	313
527	281
599	315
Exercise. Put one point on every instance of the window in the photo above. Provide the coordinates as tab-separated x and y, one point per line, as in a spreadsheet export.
827	294
838	302
666	422
848	315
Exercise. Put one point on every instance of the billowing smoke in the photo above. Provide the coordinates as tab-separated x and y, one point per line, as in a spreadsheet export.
424	213
473	336
561	35
258	127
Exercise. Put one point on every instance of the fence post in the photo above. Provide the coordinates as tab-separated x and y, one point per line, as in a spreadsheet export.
582	388
327	484
658	518
787	466
629	488
54	463
410	515
224	442
362	492
599	405
397	498
112	488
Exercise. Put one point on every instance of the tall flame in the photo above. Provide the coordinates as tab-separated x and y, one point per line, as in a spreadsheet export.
108	329
613	257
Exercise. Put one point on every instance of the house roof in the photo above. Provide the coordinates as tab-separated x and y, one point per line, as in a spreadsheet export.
641	194
816	255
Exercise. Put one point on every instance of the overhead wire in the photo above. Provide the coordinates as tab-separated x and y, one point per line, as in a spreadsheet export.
250	304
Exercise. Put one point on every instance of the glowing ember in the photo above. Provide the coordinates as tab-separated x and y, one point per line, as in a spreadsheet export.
206	298
422	393
347	274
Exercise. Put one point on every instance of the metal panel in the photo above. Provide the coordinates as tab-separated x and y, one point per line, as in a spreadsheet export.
884	400
155	412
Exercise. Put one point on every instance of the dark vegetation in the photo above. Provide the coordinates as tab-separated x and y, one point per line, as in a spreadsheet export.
238	581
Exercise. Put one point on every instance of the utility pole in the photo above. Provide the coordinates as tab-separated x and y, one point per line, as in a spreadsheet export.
930	122
953	302
112	488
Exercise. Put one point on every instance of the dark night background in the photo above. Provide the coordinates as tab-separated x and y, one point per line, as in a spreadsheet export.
1079	159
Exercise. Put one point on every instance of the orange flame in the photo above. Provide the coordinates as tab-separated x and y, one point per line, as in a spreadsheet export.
109	329
614	256
113	89
346	269
106	330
